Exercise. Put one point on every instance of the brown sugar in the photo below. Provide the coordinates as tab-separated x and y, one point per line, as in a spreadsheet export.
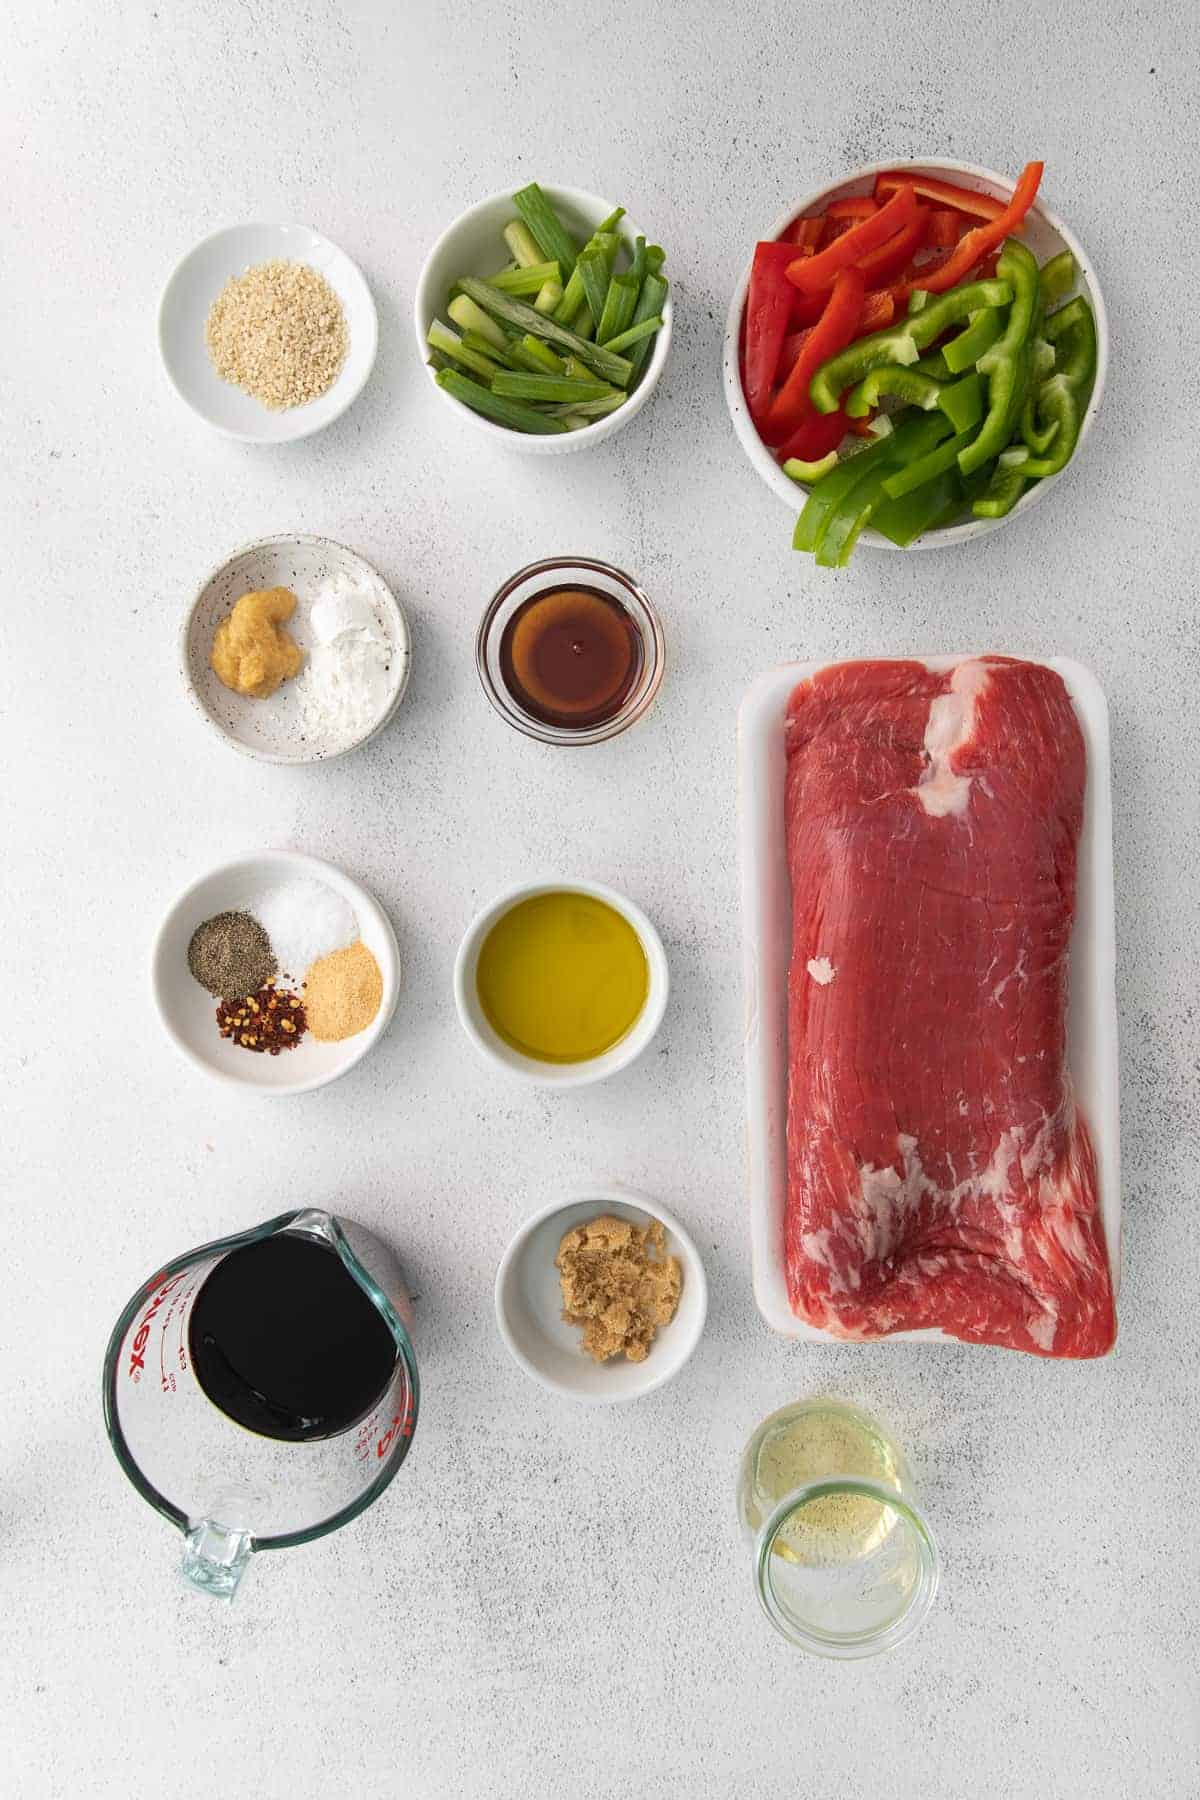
619	1284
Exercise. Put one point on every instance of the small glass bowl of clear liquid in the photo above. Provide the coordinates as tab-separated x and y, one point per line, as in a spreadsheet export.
845	1565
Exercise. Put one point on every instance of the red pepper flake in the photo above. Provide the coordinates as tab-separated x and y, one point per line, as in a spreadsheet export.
269	1021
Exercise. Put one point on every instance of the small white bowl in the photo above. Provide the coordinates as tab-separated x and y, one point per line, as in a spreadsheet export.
474	245
194	284
529	1303
273	730
527	1068
188	1011
1045	234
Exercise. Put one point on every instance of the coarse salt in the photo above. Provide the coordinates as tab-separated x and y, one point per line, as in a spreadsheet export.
343	688
304	920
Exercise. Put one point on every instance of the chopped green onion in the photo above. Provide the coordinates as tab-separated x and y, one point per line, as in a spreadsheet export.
520	241
438	337
518	386
513	413
645	329
650	303
595	266
548	298
525	281
619	303
532	354
591	409
475	340
469	317
547	228
614	368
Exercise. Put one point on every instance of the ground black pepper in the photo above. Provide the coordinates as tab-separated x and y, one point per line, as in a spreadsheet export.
231	955
268	1021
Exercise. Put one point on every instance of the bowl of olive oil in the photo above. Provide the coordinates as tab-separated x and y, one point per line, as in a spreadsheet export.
561	983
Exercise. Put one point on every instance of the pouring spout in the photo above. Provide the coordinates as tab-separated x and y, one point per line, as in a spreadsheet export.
215	1557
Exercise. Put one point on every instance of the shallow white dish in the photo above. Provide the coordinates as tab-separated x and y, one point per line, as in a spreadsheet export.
529	1303
194	284
273	730
188	1011
527	1068
1046	235
474	245
767	925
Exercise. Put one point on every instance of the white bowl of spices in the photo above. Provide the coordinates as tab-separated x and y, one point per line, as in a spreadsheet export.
268	332
275	971
295	650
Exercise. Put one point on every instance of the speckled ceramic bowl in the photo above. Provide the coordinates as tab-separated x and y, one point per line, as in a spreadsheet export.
274	730
1045	234
474	245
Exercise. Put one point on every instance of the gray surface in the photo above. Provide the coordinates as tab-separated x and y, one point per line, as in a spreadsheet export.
550	1601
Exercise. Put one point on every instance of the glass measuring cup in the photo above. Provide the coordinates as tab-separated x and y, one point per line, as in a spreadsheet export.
230	1489
844	1563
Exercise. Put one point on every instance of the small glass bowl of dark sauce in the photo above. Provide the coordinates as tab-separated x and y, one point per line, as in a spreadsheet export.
570	651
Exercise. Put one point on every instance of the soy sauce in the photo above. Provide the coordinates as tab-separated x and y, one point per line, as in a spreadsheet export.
571	656
286	1343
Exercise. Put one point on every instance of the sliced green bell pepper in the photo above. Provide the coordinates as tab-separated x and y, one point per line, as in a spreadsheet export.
1007	365
902	343
962	401
1062	401
921	469
910	438
1009	481
983	328
924	509
809	472
1056	278
907	384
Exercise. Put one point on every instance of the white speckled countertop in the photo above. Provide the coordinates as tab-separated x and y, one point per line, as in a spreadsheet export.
549	1601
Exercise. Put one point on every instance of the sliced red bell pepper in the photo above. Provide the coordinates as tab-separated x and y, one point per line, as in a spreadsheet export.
816	273
862	427
945	227
817	436
878	310
767	317
805	231
942	193
972	248
880	266
837	327
854	206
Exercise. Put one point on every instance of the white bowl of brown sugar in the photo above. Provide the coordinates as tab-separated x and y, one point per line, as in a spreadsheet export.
268	332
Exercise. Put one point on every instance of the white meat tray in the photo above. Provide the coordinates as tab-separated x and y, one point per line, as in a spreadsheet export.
767	920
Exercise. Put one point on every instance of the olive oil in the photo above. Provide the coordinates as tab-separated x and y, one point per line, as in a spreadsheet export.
562	977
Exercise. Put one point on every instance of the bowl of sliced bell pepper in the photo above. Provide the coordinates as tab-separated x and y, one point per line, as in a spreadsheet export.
913	354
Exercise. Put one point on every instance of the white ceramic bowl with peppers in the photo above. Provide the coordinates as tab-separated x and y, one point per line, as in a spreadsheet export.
1043	231
474	245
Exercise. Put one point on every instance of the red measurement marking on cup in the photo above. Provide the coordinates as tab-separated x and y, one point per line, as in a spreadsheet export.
401	1426
137	1360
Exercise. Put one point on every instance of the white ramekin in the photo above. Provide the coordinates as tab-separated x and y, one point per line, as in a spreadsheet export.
473	245
493	1048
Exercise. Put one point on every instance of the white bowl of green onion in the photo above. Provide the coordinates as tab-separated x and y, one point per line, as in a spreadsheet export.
544	317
